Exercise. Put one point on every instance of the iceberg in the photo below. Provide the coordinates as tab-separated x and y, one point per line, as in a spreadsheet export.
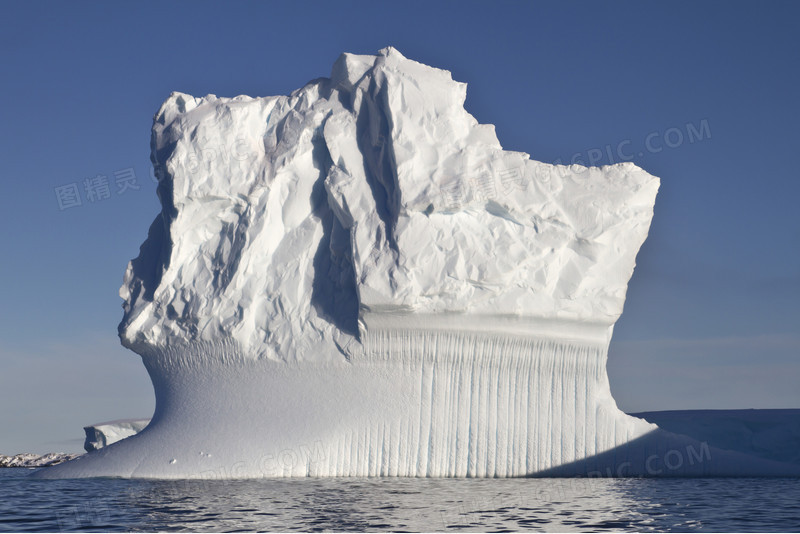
103	434
357	280
771	434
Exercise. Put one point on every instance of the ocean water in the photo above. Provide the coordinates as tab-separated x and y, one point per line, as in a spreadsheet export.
496	505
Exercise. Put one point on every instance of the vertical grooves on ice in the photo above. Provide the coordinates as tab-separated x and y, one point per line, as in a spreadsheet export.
468	404
488	406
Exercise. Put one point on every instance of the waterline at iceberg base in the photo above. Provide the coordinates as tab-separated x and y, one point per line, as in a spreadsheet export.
357	280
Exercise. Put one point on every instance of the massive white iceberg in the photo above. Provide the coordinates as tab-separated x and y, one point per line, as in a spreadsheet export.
356	279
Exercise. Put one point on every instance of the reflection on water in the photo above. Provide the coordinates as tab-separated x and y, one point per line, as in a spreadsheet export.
398	504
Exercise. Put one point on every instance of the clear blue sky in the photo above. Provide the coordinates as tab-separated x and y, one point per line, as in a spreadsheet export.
702	94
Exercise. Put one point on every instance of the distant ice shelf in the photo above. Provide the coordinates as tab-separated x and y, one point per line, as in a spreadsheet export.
357	280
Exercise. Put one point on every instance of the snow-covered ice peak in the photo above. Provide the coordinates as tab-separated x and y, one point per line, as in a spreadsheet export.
289	224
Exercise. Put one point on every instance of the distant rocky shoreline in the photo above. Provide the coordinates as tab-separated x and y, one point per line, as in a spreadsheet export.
28	459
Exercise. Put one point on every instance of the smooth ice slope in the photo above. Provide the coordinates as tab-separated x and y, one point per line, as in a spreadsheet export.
357	280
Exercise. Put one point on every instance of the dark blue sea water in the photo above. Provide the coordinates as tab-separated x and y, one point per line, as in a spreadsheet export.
575	505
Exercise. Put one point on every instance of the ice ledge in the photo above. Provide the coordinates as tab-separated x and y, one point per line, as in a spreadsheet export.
498	325
413	329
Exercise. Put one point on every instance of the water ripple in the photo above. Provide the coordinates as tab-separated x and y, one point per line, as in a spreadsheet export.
399	505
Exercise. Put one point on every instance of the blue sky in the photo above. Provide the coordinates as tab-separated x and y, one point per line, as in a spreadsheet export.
703	95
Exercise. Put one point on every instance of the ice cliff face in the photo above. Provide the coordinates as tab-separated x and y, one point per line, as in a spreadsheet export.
290	223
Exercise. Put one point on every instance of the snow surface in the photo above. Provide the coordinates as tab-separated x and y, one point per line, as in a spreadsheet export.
103	434
356	279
